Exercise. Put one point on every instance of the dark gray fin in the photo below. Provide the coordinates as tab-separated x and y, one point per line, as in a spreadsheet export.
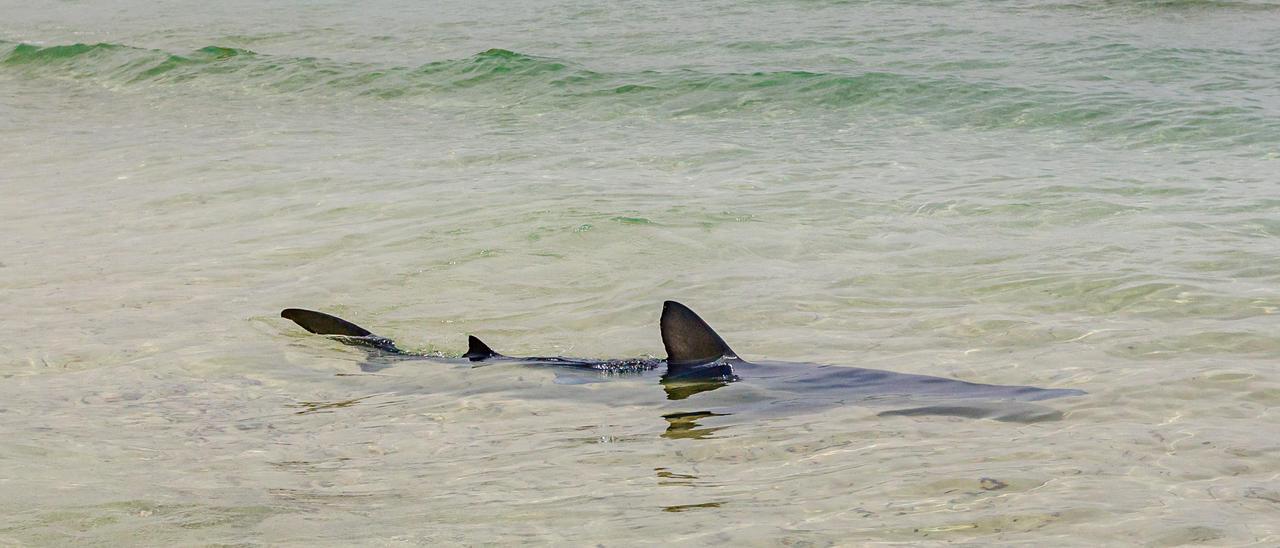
689	340
477	351
323	324
339	329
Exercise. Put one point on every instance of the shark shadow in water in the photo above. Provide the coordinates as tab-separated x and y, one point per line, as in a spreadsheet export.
698	361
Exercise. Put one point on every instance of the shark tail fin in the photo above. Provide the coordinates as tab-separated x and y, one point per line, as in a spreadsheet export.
323	324
689	340
337	328
477	350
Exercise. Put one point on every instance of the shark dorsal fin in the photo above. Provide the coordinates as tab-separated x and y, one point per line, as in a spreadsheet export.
323	324
688	339
477	350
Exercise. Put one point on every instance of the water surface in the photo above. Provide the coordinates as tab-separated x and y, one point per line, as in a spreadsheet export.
1077	195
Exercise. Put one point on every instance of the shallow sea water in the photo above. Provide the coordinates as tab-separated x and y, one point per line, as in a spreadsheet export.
1060	194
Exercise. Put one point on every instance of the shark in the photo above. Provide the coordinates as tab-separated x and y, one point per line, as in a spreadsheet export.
698	361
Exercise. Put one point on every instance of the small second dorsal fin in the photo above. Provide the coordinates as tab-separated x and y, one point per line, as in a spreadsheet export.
477	350
689	340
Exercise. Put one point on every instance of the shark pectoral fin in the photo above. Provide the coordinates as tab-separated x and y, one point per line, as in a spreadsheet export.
998	410
337	328
688	339
477	350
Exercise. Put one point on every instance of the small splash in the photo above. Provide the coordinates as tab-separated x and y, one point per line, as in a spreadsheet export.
634	365
991	484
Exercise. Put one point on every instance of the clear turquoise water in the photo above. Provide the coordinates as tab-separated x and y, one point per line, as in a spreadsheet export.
1068	194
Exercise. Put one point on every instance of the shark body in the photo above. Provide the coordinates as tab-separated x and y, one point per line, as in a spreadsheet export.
698	360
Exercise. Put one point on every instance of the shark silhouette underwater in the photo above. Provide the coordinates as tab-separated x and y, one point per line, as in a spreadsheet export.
698	360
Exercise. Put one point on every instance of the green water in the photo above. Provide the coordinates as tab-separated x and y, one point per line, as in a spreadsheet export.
1061	194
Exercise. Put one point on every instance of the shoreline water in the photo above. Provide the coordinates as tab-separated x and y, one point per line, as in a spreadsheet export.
1050	194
